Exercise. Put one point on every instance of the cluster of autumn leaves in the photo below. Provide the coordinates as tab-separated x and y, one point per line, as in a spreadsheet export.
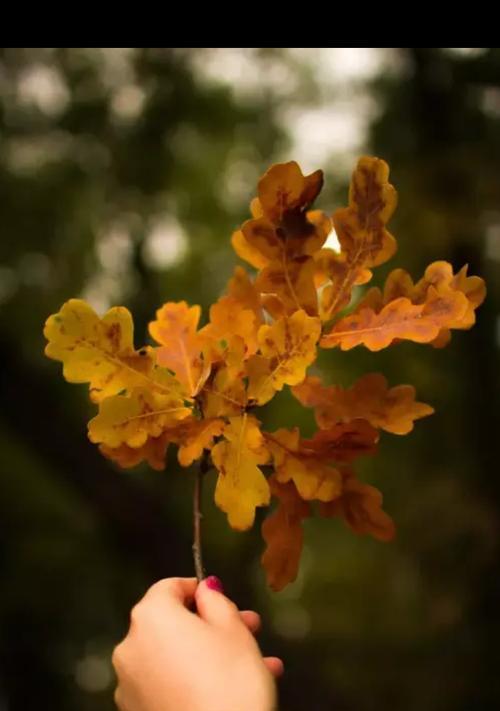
198	388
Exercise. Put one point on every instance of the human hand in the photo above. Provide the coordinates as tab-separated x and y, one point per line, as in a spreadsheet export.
173	659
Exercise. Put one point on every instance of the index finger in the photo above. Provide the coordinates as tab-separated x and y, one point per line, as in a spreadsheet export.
179	591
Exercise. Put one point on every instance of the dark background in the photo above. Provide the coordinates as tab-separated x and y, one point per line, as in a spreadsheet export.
122	175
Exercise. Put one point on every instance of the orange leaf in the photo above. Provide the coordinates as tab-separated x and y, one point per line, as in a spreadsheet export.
282	227
247	251
312	476
399	319
440	276
283	534
291	282
234	321
361	508
390	409
284	191
181	345
153	451
361	231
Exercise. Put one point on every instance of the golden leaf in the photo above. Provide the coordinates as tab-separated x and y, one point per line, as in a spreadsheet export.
132	420
224	394
241	485
287	348
195	436
97	351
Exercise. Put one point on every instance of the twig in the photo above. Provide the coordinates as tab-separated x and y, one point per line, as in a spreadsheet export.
197	516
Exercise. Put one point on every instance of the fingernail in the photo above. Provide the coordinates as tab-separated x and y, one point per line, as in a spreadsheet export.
214	583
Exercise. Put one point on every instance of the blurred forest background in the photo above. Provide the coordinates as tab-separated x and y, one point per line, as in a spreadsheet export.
122	175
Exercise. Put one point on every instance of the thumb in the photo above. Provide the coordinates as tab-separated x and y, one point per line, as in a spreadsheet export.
213	606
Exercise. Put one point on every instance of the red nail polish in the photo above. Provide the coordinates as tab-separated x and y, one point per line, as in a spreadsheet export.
214	583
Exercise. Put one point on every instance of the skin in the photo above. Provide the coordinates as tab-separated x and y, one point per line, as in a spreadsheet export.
173	658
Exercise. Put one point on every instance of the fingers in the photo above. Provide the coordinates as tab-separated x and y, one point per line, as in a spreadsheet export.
251	620
275	666
169	594
215	608
179	591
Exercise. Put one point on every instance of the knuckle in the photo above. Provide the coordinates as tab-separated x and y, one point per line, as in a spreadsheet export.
136	612
118	698
117	658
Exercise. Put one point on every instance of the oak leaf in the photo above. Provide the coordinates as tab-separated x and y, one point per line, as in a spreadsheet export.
196	436
361	508
313	477
133	419
181	346
391	409
343	442
241	485
97	351
398	320
224	394
234	322
283	534
362	234
153	451
287	348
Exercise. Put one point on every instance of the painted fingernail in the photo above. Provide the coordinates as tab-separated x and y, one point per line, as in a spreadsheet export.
214	583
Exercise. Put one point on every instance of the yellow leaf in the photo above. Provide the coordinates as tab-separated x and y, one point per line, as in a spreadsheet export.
181	349
287	348
391	409
283	534
131	420
241	485
196	436
97	351
224	394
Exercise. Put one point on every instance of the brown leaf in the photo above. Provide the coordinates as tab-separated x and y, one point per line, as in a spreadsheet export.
390	409
283	534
